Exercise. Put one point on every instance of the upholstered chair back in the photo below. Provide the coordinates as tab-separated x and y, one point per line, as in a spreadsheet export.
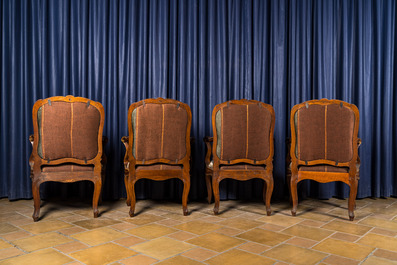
68	130
324	131
159	131
243	130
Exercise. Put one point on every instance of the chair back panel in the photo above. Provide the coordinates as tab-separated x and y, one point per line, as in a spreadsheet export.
159	131
68	130
324	132
243	131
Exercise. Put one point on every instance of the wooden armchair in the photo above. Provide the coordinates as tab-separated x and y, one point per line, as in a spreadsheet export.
67	144
158	146
242	147
324	146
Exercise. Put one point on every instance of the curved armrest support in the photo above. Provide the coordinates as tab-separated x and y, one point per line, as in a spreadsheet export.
358	142
31	159
208	142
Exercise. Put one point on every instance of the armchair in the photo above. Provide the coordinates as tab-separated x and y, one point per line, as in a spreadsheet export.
242	146
158	145
324	146
67	144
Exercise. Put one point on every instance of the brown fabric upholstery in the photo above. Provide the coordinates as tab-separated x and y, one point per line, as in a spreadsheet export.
159	132
68	130
244	132
242	167
67	167
324	132
159	167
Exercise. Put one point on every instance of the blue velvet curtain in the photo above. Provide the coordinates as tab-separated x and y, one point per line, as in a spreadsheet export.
203	53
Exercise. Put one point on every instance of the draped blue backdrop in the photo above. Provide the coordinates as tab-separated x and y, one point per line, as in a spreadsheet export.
203	53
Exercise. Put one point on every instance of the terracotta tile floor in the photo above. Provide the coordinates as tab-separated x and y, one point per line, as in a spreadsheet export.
160	234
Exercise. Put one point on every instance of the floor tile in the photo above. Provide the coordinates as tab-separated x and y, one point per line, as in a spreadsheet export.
345	227
4	244
229	231
94	255
386	232
16	235
7	228
377	261
238	257
143	219
386	254
200	254
302	242
344	249
151	231
71	247
10	252
72	230
98	236
295	255
139	260
198	227
162	248
337	260
381	223
254	247
216	242
345	237
44	256
308	232
96	223
41	241
123	226
45	226
182	235
179	260
272	227
265	237
240	223
280	220
129	241
379	241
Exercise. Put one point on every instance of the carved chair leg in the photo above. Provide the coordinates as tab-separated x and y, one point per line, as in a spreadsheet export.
131	187
294	195
186	189
215	188
36	199
352	198
97	194
128	202
209	187
269	190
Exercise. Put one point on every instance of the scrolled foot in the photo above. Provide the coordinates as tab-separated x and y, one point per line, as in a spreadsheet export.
293	212
131	213
351	216
96	213
216	211
35	217
268	212
185	212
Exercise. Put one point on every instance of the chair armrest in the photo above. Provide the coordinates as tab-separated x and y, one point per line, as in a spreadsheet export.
208	142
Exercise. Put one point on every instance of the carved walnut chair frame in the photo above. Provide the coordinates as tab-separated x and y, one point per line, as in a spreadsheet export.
36	162
214	175
294	175
131	175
